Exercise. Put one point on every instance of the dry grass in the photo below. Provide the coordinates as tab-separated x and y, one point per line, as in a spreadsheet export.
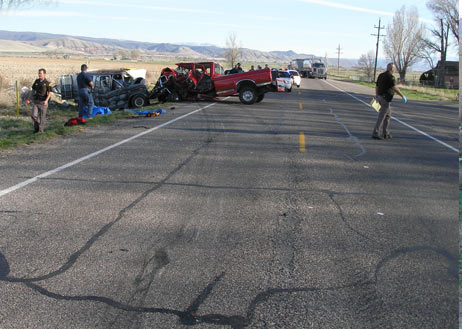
435	92
25	70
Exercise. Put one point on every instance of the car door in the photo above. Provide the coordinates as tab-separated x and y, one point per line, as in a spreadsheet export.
102	86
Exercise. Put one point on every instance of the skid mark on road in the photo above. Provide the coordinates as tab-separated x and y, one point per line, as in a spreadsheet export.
350	135
398	120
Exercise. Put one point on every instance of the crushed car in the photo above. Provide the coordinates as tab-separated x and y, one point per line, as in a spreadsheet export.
206	80
116	89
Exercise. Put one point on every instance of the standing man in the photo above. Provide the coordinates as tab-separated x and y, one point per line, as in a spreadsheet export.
85	85
239	68
384	90
42	93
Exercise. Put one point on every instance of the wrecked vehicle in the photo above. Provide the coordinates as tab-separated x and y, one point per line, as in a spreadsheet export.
206	80
116	89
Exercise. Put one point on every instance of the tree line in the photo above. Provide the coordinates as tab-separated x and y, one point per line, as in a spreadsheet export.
408	41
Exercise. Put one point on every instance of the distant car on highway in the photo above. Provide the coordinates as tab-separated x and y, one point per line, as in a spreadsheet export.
282	80
296	79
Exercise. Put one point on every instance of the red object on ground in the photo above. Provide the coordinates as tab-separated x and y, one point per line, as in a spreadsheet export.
75	121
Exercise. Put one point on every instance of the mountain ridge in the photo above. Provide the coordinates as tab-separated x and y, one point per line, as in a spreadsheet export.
82	45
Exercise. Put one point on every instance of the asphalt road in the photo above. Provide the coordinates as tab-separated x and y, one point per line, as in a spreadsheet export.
283	214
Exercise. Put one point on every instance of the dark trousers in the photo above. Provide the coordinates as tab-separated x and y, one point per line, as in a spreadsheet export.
39	112
85	99
384	117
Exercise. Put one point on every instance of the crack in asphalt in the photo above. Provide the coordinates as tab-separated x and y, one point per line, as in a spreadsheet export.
73	258
342	216
350	135
189	316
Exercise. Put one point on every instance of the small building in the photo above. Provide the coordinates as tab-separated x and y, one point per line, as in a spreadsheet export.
448	73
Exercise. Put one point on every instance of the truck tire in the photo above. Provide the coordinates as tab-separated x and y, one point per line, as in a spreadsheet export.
248	95
260	98
138	101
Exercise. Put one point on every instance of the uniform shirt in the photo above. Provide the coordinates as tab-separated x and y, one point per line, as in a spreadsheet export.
41	89
385	83
83	80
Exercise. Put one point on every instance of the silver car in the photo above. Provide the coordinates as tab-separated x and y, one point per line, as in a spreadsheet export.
296	79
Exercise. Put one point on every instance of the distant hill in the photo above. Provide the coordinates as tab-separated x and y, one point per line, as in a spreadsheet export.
36	42
107	47
18	47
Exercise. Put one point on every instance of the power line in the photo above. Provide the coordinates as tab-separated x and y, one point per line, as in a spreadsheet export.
377	46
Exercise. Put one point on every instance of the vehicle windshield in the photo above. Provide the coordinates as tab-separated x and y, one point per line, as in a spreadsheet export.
295	73
283	74
219	69
318	65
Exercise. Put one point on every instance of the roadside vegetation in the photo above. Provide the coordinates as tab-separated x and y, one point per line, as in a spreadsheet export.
18	131
412	89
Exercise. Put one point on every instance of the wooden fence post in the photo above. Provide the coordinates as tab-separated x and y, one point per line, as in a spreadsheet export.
17	98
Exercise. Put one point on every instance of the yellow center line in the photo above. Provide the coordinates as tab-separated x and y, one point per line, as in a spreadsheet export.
300	106
302	142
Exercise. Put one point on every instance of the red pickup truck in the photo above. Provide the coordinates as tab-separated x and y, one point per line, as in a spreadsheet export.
206	80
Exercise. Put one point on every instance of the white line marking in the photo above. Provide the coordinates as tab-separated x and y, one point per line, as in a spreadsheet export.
403	123
70	164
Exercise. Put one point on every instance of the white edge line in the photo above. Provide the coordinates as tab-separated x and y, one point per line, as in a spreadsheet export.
91	155
402	122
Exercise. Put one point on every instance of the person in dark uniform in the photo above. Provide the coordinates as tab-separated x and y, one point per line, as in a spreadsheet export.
42	93
85	85
239	68
384	91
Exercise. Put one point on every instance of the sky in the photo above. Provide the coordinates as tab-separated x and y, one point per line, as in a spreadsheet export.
305	26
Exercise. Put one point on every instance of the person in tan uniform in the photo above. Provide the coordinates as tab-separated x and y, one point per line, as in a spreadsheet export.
42	93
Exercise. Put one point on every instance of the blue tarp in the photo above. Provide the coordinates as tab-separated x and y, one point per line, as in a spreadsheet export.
97	111
146	112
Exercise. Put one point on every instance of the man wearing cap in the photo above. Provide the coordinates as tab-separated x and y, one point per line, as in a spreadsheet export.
239	68
85	85
42	93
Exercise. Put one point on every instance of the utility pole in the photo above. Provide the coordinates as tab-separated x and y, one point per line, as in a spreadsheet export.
377	45
338	60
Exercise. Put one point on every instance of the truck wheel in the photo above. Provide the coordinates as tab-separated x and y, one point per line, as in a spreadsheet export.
248	95
260	98
138	101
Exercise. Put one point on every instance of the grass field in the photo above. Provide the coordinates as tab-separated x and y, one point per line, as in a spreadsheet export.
412	90
25	70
